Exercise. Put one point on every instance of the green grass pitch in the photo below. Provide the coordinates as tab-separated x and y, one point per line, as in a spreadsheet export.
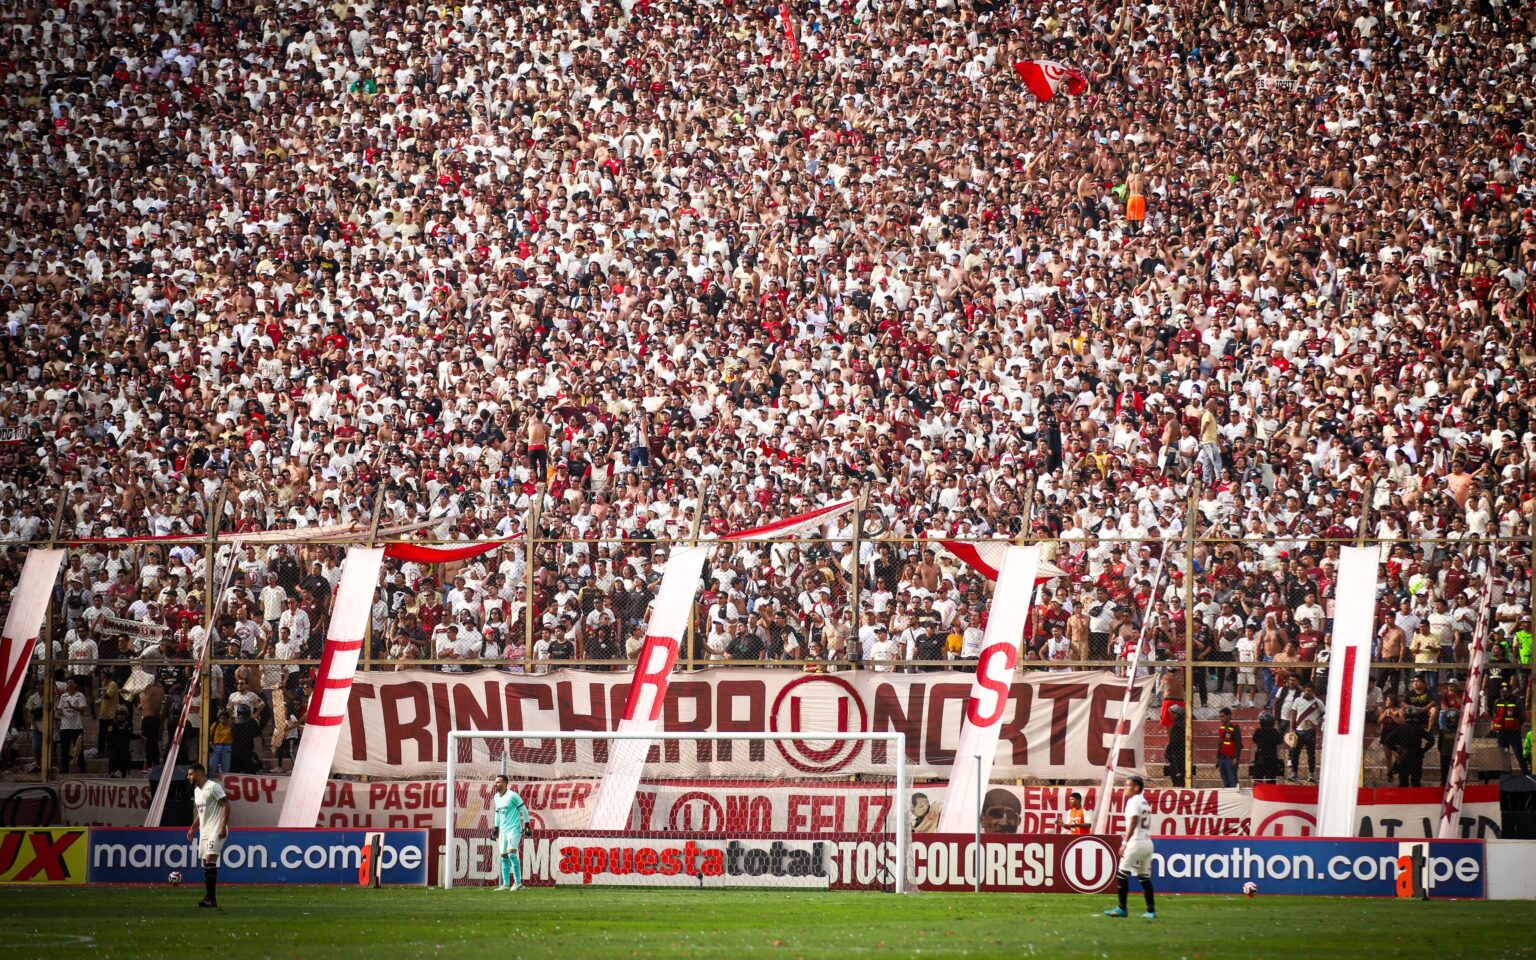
565	924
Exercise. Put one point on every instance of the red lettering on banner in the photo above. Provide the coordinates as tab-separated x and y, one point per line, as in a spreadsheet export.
729	693
1022	695
891	715
472	713
596	718
993	668
648	688
1061	695
327	678
938	695
361	690
1101	727
417	729
14	670
442	706
701	695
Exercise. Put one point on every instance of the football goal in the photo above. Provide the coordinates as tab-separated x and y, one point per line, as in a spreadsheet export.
705	810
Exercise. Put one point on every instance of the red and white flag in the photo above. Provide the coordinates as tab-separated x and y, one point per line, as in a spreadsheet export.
986	558
791	526
990	688
789	32
1046	78
1456	775
23	623
333	686
1342	745
441	553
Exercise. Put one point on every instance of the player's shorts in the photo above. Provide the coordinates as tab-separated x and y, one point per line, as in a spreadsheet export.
210	847
508	841
1136	859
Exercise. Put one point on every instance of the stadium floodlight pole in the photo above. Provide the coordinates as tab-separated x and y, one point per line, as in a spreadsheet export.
897	741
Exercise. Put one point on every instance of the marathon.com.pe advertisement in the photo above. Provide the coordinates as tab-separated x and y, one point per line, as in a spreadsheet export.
148	855
1324	867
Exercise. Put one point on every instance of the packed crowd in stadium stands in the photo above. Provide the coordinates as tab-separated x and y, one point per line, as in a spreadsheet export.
640	263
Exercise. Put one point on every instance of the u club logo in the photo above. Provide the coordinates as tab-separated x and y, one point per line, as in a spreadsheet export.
1087	863
822	703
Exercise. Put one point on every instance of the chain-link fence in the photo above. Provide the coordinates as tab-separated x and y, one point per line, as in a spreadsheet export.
1234	631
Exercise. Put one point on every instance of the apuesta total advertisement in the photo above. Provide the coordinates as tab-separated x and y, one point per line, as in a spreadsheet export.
1007	863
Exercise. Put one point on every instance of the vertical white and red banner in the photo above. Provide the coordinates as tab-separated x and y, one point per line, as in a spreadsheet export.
23	623
790	40
663	638
988	702
648	690
1342	747
333	684
1456	775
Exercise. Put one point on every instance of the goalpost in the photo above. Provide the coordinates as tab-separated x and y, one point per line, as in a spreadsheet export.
814	809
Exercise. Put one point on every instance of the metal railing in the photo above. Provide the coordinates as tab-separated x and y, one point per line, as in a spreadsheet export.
850	603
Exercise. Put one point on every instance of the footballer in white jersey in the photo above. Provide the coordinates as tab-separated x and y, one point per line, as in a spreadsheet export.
211	828
1136	850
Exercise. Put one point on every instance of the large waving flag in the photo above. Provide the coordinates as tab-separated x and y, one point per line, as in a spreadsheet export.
1045	78
986	558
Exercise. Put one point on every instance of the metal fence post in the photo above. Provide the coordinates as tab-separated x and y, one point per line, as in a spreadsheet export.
980	804
1189	634
210	561
535	509
48	691
855	646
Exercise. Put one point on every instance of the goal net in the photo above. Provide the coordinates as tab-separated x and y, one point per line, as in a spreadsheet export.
802	810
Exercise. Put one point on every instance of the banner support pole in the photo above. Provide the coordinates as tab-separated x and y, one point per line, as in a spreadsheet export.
855	591
1365	518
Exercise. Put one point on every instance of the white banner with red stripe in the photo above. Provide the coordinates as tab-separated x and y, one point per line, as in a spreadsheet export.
648	691
663	637
333	685
995	667
22	624
1349	661
1456	774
